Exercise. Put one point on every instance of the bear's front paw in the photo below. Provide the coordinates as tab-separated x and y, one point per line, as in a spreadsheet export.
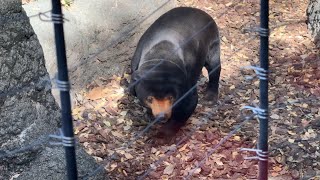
211	98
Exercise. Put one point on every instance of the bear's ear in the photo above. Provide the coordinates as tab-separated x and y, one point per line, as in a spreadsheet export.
135	76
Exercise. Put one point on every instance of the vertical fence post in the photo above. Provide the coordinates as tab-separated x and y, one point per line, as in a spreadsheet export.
264	63
64	86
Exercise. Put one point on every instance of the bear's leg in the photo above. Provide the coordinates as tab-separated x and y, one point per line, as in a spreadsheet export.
213	66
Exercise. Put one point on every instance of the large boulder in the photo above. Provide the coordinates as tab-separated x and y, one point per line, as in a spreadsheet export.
28	111
313	15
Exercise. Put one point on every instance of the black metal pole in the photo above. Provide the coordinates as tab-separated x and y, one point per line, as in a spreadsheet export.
63	85
264	63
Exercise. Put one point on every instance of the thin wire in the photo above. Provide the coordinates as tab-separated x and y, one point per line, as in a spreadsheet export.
15	90
38	14
42	140
93	173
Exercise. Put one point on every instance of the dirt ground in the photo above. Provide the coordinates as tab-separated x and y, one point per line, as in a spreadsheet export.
107	120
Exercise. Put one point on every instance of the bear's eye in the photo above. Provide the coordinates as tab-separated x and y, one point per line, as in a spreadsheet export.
170	98
149	99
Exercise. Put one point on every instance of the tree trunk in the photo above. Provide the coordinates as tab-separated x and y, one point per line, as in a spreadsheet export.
313	15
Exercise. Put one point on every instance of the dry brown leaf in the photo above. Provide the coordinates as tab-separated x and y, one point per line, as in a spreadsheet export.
128	156
277	168
120	121
113	166
169	169
117	134
96	93
153	150
107	123
229	4
275	116
197	171
291	140
309	134
218	161
183	147
237	138
126	128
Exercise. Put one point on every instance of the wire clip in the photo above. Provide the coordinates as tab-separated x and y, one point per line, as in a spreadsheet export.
261	73
263	32
262	113
63	85
261	155
65	141
55	18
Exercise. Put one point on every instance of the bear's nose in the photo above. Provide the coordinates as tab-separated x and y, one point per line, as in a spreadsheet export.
162	117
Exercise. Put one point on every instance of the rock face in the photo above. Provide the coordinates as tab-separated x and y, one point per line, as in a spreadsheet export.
313	14
28	111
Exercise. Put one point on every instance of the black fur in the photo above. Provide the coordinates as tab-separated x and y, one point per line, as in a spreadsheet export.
177	69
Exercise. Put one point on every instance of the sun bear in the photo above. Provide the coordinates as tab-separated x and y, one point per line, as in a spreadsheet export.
168	61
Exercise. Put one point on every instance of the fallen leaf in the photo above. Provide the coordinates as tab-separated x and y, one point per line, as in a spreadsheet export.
113	166
153	150
237	138
219	162
291	133
117	134
126	128
96	93
224	39
169	169
275	116
128	156
277	168
123	113
120	120
107	123
291	140
309	134
183	147
197	171
229	4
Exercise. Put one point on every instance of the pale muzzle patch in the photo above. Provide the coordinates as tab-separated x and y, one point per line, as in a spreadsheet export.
160	106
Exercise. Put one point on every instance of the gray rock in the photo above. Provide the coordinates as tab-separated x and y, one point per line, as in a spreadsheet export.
28	111
313	15
50	164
